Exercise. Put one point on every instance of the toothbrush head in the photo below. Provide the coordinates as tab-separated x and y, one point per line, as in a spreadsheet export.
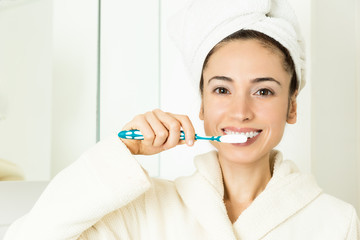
233	138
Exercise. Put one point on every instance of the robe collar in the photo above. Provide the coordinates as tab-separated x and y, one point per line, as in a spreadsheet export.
287	192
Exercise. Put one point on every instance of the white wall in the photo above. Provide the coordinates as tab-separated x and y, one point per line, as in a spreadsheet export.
129	68
296	143
177	96
25	85
335	98
75	63
48	82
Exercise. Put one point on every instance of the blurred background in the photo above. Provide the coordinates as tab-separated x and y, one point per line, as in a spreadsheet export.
74	72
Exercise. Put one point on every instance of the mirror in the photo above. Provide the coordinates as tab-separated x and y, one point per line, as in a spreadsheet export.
26	92
48	85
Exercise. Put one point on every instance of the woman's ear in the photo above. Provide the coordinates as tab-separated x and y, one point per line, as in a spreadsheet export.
201	113
292	113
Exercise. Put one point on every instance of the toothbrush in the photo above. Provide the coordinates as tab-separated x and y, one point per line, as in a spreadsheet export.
231	138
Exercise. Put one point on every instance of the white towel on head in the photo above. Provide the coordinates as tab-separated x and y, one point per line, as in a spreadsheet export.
201	24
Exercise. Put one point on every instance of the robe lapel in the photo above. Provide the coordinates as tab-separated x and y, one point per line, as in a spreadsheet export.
203	195
287	193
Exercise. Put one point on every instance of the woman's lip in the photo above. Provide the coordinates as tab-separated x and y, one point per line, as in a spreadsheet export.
240	130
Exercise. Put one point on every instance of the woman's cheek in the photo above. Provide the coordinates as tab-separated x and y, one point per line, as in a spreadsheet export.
214	113
276	121
275	110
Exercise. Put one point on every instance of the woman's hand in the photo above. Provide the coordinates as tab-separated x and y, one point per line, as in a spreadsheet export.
161	131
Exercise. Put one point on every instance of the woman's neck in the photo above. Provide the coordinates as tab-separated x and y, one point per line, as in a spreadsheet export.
243	182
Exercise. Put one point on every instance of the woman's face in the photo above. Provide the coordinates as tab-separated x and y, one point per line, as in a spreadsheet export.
246	89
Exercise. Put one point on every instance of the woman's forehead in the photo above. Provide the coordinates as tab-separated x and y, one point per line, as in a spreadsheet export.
244	57
246	48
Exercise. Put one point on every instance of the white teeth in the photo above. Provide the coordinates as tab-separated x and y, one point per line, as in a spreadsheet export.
247	134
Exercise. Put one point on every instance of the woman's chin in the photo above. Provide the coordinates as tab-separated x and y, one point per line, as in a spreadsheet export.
241	155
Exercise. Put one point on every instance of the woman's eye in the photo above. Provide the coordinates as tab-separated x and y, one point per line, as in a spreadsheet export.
221	90
264	92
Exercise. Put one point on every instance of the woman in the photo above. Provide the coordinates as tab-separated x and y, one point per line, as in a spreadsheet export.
249	79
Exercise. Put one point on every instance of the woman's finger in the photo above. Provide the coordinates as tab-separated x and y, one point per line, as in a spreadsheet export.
172	125
139	122
187	127
160	130
161	133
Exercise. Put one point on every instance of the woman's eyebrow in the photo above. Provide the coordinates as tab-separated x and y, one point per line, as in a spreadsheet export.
255	80
264	79
221	78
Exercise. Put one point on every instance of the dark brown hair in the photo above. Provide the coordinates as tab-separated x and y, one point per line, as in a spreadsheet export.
267	42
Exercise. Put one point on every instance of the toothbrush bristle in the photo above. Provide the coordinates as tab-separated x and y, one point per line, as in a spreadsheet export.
232	138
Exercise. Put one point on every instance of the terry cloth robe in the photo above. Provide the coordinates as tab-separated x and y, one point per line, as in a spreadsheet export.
106	195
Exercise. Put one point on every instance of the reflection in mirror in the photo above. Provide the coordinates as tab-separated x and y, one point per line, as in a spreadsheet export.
9	171
48	77
25	76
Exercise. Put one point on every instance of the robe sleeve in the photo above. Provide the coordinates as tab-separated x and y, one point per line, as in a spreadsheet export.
354	228
103	179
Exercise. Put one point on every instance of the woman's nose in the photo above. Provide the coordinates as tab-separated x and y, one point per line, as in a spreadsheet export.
241	109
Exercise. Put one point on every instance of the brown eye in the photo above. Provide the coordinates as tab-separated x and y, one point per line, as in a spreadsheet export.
264	92
221	90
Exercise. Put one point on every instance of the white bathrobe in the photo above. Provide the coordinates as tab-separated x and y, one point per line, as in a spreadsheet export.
106	195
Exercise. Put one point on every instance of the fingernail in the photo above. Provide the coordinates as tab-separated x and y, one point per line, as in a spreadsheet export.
190	142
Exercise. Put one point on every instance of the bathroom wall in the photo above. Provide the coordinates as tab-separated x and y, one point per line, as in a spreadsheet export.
335	98
26	86
25	102
129	66
48	83
74	80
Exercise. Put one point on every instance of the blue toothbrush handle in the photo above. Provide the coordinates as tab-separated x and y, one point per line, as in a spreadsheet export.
131	134
197	137
212	138
136	135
